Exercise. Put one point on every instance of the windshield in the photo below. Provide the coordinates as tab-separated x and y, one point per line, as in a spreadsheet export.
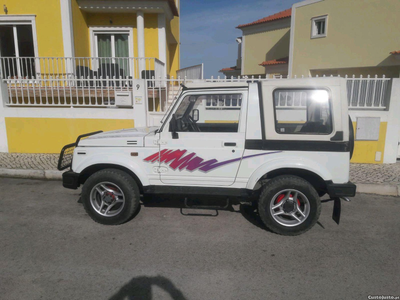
172	105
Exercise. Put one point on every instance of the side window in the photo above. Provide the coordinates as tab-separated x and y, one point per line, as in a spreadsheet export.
302	111
209	113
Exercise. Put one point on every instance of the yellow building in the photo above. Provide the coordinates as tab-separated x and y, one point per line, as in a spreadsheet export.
341	37
265	45
90	28
69	67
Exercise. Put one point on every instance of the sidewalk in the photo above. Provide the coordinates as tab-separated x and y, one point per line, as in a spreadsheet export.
373	179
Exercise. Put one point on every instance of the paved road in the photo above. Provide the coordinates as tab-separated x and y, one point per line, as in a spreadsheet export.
50	249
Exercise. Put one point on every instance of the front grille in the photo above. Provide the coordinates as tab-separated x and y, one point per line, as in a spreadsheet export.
66	155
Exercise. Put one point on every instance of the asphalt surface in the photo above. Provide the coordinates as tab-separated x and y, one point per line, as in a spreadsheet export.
50	249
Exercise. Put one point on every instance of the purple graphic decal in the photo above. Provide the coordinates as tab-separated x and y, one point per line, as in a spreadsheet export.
191	162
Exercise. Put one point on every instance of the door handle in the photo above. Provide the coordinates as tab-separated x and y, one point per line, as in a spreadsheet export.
229	144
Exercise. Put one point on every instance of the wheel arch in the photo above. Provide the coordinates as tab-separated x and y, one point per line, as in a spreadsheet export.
315	173
314	179
88	171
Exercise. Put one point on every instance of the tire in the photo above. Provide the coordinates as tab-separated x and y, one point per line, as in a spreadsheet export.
110	187
278	197
351	137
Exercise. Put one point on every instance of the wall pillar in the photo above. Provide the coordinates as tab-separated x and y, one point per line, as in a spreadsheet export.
140	41
3	107
393	125
162	41
67	32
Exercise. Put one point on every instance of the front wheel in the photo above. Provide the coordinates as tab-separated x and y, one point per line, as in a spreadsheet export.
110	196
289	205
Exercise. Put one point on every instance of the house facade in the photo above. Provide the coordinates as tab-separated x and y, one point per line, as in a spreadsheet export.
70	67
324	37
264	47
339	37
86	28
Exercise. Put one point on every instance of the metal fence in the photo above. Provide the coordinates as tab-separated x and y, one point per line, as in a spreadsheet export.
95	81
80	67
368	93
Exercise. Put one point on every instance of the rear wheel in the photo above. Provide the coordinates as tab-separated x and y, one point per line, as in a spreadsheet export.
289	205
110	197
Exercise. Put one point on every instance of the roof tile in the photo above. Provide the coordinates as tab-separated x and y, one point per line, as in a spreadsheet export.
228	69
280	15
280	61
395	52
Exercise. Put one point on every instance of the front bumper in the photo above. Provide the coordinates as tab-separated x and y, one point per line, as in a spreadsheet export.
70	180
341	190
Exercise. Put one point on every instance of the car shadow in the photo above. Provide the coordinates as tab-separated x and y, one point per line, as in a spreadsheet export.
249	212
141	288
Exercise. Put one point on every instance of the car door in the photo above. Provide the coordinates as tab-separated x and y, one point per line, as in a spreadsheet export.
207	147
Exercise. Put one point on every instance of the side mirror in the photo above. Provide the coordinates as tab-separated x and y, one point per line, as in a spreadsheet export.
195	115
173	127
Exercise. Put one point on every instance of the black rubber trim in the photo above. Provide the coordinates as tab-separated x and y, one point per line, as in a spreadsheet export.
185	88
60	165
194	190
86	135
338	136
260	98
341	190
322	146
70	180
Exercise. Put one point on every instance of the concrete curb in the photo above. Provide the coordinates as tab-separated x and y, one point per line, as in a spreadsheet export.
378	189
31	174
365	188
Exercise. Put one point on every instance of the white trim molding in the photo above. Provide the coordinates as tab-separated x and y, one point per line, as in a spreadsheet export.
22	20
243	56
67	28
126	6
94	30
140	40
314	29
162	41
292	30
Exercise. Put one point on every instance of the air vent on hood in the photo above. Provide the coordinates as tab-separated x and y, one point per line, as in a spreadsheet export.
131	143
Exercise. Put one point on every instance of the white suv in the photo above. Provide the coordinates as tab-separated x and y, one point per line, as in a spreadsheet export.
287	142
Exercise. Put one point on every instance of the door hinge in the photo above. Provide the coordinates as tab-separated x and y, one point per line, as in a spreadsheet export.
159	142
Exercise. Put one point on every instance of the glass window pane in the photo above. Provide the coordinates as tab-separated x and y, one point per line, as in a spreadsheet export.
7	49
213	112
311	114
121	45
104	45
122	50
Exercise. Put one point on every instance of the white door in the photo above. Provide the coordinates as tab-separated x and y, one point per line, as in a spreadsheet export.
207	148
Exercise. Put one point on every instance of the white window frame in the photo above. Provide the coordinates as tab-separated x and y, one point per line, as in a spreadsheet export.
94	31
14	20
314	33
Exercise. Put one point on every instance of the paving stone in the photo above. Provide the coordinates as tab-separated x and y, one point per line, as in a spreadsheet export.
28	161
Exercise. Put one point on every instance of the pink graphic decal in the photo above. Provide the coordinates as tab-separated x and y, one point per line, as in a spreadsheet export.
191	162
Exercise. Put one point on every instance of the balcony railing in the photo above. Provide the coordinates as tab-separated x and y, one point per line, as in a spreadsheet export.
95	68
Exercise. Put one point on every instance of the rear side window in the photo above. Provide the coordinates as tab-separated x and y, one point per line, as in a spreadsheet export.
302	111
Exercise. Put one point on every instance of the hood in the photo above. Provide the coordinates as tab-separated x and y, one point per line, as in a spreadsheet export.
119	138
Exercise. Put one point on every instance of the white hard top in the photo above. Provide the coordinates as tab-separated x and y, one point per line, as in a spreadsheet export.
198	85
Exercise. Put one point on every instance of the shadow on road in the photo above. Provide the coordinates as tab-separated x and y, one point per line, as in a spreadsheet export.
140	288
